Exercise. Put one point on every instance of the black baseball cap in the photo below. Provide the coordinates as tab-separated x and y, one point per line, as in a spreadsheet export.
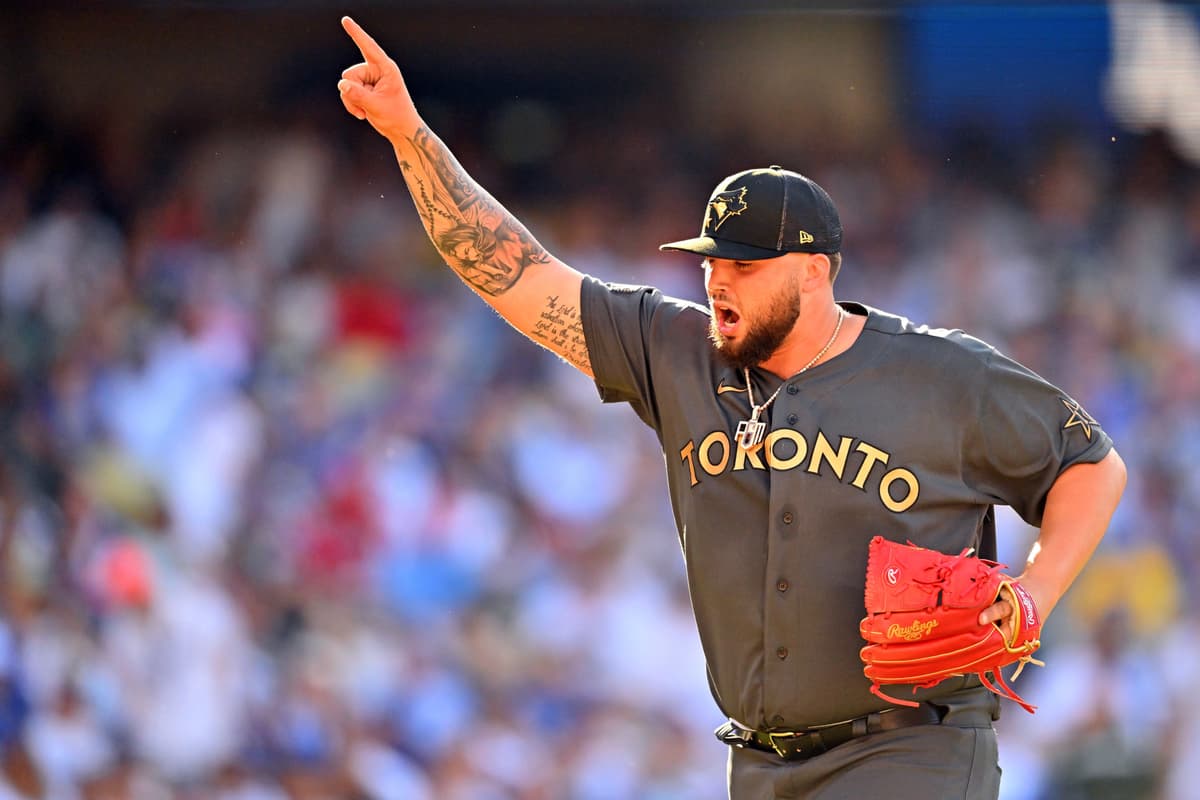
764	213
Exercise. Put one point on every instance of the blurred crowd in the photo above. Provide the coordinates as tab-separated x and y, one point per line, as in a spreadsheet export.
286	512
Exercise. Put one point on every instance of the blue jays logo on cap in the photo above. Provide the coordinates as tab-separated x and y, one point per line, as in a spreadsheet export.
725	205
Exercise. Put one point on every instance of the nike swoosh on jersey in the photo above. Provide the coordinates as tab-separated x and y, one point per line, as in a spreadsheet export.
722	388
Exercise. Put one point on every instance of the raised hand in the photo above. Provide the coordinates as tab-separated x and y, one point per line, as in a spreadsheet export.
374	90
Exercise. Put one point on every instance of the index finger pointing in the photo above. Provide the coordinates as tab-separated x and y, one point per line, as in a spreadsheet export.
372	53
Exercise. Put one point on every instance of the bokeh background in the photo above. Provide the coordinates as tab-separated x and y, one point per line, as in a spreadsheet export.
286	512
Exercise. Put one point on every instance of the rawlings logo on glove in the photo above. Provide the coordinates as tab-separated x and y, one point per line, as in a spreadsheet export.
913	631
922	624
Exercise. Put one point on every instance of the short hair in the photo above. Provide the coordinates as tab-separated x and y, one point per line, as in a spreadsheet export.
835	264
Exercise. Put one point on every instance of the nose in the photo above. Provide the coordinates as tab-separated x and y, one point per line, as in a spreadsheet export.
716	274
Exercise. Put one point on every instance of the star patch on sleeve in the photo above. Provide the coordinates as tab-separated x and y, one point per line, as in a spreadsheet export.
1079	418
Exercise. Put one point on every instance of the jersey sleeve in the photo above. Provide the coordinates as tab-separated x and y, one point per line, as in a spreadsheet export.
617	319
1028	432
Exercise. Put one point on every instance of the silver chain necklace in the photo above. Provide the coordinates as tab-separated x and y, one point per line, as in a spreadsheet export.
751	431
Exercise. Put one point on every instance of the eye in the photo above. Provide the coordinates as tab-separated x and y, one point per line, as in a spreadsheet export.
743	266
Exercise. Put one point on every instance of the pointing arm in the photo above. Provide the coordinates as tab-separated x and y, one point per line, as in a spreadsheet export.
486	246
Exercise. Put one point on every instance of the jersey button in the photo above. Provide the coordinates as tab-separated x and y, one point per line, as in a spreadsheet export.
787	518
793	388
781	652
792	419
783	585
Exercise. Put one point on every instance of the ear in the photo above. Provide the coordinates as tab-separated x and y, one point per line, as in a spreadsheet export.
816	271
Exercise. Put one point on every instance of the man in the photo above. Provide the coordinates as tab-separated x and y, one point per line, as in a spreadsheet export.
795	428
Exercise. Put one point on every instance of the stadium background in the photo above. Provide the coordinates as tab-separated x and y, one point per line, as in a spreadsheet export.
285	512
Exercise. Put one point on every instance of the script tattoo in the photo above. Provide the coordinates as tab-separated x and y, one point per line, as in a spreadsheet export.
483	243
561	329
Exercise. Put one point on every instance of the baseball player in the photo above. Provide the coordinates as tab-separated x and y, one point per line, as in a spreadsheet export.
795	429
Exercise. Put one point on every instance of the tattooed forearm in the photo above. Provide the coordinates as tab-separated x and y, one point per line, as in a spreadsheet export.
488	247
463	192
560	328
491	250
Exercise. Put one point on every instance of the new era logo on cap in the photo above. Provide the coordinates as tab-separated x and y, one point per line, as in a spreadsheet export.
764	213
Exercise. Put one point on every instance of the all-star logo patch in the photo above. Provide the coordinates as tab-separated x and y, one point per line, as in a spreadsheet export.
724	205
1079	418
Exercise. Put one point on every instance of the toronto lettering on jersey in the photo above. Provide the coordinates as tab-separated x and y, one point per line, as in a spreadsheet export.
787	449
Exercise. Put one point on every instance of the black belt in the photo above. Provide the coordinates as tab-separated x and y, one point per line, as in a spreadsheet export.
799	745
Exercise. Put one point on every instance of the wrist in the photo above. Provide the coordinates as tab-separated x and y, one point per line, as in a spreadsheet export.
1045	596
403	128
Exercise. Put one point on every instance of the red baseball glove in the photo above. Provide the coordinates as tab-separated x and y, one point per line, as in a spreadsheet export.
922	624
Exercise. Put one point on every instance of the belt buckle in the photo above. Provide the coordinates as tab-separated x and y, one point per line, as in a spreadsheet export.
773	735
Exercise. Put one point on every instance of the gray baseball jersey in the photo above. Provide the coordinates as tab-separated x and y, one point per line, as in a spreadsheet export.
913	433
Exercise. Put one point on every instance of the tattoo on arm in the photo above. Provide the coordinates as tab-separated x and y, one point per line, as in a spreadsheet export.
488	247
561	329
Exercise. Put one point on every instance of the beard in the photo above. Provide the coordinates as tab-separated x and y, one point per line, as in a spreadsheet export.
764	337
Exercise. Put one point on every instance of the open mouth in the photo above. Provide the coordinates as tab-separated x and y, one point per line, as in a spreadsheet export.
726	318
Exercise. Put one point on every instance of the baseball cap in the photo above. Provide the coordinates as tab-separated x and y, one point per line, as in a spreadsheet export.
764	213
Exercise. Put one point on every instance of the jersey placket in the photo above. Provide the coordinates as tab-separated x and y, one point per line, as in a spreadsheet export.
782	580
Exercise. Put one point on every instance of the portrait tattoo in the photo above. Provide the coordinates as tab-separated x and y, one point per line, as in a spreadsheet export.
483	243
